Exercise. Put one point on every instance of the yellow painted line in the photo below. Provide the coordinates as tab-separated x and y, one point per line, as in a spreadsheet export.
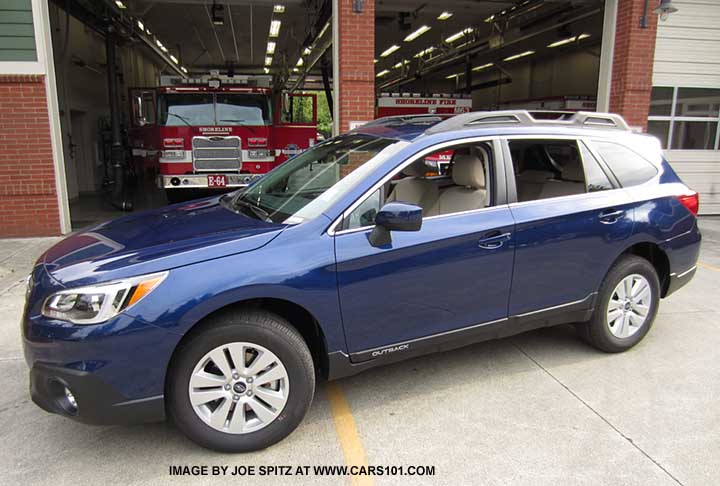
347	433
709	267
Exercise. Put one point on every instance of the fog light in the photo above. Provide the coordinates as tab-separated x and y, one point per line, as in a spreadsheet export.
70	398
175	181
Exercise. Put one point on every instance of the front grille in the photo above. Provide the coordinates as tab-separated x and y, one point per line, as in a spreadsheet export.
217	153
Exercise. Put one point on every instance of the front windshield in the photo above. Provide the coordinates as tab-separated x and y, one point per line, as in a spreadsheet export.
198	109
308	184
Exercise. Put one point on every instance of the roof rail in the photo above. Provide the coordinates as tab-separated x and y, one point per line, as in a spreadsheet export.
580	119
418	119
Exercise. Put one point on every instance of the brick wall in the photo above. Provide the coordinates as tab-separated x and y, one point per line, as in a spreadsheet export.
28	200
357	70
633	62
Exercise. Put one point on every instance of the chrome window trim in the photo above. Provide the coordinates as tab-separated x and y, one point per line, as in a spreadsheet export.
331	230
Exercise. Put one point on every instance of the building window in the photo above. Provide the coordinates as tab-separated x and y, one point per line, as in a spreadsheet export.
685	118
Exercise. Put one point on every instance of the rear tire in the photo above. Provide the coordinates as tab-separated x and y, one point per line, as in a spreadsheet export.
626	306
248	414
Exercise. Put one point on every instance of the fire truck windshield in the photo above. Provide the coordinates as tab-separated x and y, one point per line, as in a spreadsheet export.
202	109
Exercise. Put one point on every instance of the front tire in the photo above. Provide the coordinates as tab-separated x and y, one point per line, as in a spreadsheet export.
242	384
626	306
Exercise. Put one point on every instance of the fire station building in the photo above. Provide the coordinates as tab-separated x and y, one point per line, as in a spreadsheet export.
80	79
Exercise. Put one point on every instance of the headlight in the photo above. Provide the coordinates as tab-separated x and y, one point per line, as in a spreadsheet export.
98	303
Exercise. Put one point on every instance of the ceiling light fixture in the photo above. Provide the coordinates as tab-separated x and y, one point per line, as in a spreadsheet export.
518	56
299	62
425	51
390	50
275	28
268	60
278	9
120	5
266	70
445	15
414	35
401	64
484	66
453	76
306	51
569	40
382	73
173	59
140	25
183	69
271	47
459	35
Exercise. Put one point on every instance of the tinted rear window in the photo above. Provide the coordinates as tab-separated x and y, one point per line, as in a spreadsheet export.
630	168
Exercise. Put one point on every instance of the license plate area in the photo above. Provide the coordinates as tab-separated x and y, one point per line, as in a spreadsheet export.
217	180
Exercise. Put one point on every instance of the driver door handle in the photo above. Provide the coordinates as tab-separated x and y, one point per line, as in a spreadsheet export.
492	240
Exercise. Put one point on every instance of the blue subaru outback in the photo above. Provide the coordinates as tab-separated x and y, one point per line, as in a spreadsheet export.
366	249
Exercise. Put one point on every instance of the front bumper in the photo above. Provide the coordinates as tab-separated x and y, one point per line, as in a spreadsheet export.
200	181
95	402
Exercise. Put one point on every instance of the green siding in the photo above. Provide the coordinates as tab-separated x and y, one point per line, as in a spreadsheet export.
17	37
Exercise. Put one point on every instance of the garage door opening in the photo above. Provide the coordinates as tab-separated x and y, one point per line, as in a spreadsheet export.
169	100
535	54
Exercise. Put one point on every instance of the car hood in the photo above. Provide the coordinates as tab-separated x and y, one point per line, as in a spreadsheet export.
156	240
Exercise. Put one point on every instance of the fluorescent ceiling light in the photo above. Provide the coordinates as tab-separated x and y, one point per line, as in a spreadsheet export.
484	66
382	73
120	4
183	69
173	59
456	75
141	25
279	9
569	40
414	35
275	28
518	56
164	49
425	51
266	70
299	62
296	70
268	61
158	43
401	64
271	47
375	61
390	50
445	15
307	51
459	35
490	19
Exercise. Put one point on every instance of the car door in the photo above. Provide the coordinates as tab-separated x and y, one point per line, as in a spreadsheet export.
428	287
568	231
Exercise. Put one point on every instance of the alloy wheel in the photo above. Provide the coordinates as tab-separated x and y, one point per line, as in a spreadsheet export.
238	388
629	306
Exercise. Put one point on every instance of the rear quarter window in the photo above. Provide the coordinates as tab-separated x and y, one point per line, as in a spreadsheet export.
629	167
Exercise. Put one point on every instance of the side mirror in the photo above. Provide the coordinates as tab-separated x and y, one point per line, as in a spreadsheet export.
395	216
142	121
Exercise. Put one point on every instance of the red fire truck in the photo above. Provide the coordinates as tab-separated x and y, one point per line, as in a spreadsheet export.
210	134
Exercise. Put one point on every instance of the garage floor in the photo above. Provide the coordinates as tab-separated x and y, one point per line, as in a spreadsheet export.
540	408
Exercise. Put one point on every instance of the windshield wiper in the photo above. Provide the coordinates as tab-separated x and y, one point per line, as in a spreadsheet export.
259	212
182	118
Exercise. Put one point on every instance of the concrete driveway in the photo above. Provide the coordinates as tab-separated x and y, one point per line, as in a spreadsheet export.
539	408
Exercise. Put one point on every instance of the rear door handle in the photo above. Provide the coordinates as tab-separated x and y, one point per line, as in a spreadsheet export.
611	216
492	240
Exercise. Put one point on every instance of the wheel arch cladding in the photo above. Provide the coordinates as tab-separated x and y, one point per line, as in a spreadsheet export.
296	315
657	257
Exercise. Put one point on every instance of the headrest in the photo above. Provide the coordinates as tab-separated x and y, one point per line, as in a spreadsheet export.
416	169
469	171
573	171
